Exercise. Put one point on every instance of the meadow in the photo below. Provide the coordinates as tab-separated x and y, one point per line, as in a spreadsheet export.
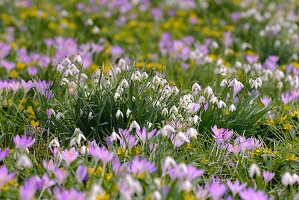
148	99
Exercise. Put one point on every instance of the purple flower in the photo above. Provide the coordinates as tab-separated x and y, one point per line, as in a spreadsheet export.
50	166
235	16
266	101
32	71
127	141
3	154
286	97
50	112
139	167
251	59
268	176
217	189
116	51
5	177
99	153
81	173
23	142
193	173
250	194
70	155
144	135
69	195
61	175
236	187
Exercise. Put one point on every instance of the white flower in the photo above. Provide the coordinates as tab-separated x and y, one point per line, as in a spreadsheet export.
287	179
196	88
54	143
255	83
223	83
59	116
191	133
223	70
84	150
254	169
78	59
166	130
214	100
24	162
128	113
221	104
119	114
124	83
208	91
232	108
116	96
156	195
134	124
185	185
90	115
174	110
95	30
66	61
195	119
201	99
165	112
60	68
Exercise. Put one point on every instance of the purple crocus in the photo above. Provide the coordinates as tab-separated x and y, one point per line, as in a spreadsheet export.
217	189
71	194
266	101
250	194
99	153
251	59
144	135
23	142
70	155
5	177
268	176
50	166
81	173
139	167
286	97
236	187
193	173
3	154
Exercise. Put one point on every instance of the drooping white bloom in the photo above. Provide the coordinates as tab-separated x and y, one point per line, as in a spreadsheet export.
255	83
119	114
165	112
208	91
287	179
124	83
54	143
128	113
166	130
223	83
191	133
221	104
196	88
134	124
24	162
174	110
232	108
78	59
59	116
254	169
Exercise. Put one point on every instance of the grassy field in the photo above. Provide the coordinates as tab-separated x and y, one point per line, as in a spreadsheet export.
147	99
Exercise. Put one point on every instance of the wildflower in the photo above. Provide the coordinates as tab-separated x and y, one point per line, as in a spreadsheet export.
232	108
250	194
266	101
221	104
268	176
61	175
217	189
24	162
286	97
70	155
287	127
78	137
100	153
223	83
78	59
143	135
119	114
254	169
3	154
165	112
50	112
54	143
236	187
128	113
196	89
59	116
255	83
179	139
23	142
4	176
166	130
191	133
81	173
50	166
70	194
208	91
128	187
134	124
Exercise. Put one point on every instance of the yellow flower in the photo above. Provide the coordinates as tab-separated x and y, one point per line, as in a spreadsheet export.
104	196
291	157
282	118
90	170
288	127
13	74
34	123
99	170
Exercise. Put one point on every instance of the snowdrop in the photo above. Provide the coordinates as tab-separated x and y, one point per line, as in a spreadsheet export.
254	169
166	130
119	114
232	108
24	162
